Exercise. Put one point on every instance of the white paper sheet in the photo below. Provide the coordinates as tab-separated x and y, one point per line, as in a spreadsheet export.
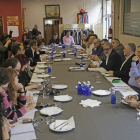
24	136
14	29
97	69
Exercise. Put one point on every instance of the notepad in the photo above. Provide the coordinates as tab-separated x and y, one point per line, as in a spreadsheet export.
22	128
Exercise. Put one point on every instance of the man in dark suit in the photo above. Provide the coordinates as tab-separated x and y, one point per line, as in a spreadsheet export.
112	60
33	54
123	73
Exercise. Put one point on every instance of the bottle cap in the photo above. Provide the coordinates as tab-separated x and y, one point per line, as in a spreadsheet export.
88	82
79	82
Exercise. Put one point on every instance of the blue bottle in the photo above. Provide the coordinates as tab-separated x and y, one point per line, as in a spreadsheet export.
79	88
88	91
51	57
113	98
88	82
60	43
52	45
81	64
63	54
75	54
73	51
49	69
63	47
76	49
84	89
71	45
82	57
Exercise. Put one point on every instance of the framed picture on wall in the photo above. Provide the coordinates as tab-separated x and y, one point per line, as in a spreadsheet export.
12	21
52	10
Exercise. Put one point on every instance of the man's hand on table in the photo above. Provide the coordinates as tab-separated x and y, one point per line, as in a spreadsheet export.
111	73
93	66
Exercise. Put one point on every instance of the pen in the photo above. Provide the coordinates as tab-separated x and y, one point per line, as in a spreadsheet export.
37	129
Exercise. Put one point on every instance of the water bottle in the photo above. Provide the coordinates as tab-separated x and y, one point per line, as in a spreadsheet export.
49	69
88	91
113	98
83	84
76	49
52	45
63	47
73	51
84	89
88	82
75	54
79	88
51	57
60	43
71	45
63	54
82	57
81	64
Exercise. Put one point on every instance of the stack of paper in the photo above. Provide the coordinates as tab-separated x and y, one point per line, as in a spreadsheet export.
90	103
77	68
22	132
62	97
97	69
64	124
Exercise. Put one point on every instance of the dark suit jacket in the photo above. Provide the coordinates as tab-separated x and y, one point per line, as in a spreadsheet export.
114	62
29	54
124	73
98	51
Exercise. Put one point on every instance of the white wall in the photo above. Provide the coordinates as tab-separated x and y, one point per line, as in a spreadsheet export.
35	12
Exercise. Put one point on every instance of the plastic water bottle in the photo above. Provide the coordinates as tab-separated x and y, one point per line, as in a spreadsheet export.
82	57
71	45
76	49
88	82
63	54
60	43
79	88
84	89
81	64
75	54
51	57
88	91
63	47
52	45
113	98
49	69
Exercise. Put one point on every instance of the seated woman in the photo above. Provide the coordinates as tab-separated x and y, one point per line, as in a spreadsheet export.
23	76
40	44
14	99
54	40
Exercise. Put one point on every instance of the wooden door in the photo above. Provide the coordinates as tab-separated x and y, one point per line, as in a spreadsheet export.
48	33
55	29
1	26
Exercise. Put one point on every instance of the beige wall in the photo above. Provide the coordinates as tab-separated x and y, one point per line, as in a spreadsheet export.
35	12
118	24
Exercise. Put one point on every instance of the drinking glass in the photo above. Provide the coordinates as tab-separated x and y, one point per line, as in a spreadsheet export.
98	80
45	96
50	119
57	104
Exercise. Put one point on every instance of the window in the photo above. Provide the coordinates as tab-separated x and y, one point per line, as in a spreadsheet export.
131	24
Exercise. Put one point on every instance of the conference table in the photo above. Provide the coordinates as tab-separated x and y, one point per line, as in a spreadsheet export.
106	122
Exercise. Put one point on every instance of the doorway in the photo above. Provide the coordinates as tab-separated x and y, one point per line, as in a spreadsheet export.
51	26
1	26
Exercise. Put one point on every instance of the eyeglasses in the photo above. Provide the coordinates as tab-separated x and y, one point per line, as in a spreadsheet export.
107	49
5	89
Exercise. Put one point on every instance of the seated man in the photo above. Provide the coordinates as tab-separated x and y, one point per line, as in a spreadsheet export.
123	73
97	49
33	54
68	40
54	40
118	48
35	30
135	72
103	41
83	43
26	35
112	61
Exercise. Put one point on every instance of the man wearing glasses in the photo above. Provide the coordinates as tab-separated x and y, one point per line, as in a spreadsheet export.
112	60
123	72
